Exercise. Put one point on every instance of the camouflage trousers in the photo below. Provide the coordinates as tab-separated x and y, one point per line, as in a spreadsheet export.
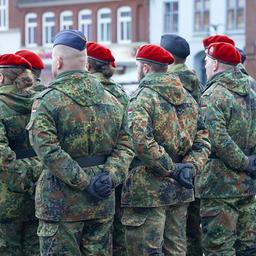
18	238
229	226
89	237
194	236
156	231
119	248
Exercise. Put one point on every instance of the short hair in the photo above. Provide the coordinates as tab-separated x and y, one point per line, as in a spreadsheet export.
156	67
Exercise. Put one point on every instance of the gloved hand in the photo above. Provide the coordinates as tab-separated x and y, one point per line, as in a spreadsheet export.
251	168
183	173
100	186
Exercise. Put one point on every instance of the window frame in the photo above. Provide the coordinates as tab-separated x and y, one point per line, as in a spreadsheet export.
4	8
202	13
124	20
171	18
49	24
64	24
85	22
106	21
235	20
29	25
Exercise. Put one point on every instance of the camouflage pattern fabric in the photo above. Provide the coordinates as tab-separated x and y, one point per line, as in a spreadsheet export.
242	68
230	115
19	238
17	221
228	106
194	236
228	226
156	231
76	117
118	229
38	87
60	238
188	79
191	83
164	122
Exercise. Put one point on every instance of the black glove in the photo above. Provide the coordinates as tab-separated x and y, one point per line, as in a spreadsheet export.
251	168
100	186
183	173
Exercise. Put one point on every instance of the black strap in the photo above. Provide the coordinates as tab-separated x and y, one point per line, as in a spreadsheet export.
88	161
25	153
85	161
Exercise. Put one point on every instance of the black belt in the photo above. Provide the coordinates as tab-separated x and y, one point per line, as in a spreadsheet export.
25	153
85	161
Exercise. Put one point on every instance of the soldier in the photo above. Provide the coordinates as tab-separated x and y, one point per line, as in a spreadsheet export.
170	144
19	169
226	186
37	67
180	49
101	63
79	131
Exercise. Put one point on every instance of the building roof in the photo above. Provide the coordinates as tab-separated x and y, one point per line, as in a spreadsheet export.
38	3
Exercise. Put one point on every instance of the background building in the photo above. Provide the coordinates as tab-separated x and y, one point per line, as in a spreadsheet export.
196	19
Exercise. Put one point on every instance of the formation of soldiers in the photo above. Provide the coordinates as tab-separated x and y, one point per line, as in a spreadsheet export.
87	171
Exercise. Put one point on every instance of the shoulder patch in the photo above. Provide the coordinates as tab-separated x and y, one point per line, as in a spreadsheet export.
43	93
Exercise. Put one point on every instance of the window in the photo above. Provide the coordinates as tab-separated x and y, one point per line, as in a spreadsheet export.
201	15
48	28
171	16
3	15
85	23
31	29
66	20
124	16
235	15
104	25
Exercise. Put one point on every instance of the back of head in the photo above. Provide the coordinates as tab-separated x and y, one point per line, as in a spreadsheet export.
100	59
176	45
15	70
69	51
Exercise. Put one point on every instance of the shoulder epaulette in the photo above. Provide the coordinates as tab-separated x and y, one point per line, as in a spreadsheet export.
43	93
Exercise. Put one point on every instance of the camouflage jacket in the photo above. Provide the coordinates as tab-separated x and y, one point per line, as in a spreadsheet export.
76	117
188	79
229	109
242	68
165	126
15	108
38	87
114	88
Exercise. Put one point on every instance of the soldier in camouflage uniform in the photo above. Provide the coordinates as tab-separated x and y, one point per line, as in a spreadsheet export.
79	131
19	170
226	186
101	63
180	50
170	144
37	67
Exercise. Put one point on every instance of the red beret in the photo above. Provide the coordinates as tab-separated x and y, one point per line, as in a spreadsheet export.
155	54
217	39
224	52
13	60
100	53
32	57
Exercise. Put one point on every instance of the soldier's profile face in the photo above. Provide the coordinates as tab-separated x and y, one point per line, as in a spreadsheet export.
140	73
209	67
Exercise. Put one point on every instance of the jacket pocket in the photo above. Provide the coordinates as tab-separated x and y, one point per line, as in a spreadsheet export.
47	229
134	217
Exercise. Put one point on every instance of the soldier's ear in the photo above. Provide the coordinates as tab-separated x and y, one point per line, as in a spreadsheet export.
215	65
1	78
59	62
146	68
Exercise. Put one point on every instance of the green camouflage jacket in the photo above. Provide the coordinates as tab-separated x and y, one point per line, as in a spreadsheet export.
252	80
188	79
114	88
164	122
76	117
15	108
229	109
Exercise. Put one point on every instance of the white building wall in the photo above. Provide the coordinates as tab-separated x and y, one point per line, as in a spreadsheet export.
10	41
